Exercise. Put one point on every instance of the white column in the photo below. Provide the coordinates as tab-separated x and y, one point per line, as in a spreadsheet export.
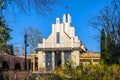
75	58
44	61
64	18
41	60
53	60
62	58
69	18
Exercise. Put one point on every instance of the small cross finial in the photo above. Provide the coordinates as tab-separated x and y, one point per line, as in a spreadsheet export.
66	8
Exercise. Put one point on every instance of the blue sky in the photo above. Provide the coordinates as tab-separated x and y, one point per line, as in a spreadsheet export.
80	10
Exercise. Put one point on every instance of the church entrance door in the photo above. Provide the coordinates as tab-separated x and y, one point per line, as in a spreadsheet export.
48	60
57	58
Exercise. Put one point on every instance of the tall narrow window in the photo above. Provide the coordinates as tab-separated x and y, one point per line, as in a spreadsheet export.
58	37
66	18
67	56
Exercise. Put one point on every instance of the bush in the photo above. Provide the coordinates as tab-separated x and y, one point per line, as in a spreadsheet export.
88	72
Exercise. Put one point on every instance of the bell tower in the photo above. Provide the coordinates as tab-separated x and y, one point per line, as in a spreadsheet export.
66	18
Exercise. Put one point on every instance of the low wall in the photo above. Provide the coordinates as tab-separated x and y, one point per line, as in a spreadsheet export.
14	75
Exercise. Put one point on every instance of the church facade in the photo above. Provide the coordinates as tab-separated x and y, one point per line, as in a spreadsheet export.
61	46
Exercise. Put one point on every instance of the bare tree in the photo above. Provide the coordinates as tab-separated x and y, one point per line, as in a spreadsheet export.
34	36
40	6
109	20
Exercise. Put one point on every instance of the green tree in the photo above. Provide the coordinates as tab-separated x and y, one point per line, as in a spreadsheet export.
109	40
4	36
103	46
118	46
0	3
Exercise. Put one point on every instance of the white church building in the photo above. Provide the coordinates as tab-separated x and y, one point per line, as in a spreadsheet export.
61	45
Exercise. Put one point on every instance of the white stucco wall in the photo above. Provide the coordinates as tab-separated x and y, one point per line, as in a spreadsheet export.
67	35
41	60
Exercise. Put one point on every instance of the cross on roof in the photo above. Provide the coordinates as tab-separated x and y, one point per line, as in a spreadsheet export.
66	8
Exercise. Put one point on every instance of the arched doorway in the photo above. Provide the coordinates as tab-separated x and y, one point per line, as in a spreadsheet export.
17	66
5	65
